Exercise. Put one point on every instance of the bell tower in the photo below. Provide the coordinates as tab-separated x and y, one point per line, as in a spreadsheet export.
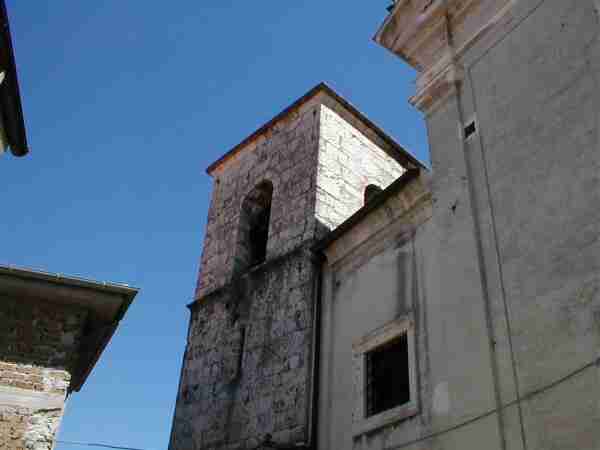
247	374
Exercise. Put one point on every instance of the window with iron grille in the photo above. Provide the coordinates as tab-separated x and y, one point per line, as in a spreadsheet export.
387	376
385	367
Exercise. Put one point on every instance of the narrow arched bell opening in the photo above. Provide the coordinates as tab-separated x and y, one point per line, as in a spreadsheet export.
253	231
371	191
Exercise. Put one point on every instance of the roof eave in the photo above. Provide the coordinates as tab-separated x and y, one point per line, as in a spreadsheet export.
106	304
10	97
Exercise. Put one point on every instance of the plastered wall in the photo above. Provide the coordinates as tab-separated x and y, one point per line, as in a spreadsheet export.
375	274
535	94
515	221
510	259
319	157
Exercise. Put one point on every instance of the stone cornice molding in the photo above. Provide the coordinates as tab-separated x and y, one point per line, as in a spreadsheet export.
434	87
432	35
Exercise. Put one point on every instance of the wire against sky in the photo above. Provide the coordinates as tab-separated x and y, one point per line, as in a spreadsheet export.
91	444
477	418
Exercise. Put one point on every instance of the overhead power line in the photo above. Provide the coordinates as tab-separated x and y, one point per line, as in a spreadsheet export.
92	444
533	393
527	396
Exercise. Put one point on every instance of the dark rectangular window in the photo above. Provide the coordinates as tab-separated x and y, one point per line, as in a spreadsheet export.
470	130
387	376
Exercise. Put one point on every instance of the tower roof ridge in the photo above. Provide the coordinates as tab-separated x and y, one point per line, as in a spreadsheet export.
402	155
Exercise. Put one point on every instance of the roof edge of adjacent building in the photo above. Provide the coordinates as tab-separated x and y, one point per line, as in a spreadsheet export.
399	153
68	280
10	96
106	303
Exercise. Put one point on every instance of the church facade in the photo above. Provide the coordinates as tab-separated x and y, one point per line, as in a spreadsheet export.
349	298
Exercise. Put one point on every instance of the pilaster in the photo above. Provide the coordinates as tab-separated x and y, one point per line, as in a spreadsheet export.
433	35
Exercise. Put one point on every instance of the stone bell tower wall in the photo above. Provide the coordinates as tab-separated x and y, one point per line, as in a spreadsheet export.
319	154
284	154
351	157
248	367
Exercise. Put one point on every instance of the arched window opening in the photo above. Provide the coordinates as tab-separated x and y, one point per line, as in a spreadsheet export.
253	230
371	191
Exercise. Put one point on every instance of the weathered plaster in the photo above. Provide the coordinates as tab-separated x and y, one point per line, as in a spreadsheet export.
513	215
371	292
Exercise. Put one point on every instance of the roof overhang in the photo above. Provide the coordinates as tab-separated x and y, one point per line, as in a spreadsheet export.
106	304
11	110
433	35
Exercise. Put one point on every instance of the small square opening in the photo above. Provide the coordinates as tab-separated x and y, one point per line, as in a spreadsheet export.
387	376
470	129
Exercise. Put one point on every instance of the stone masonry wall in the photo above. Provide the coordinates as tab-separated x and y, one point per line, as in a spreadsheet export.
320	158
37	344
286	156
515	230
351	157
246	371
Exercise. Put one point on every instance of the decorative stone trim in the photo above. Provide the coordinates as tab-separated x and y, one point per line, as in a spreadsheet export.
383	335
417	30
432	35
439	88
24	398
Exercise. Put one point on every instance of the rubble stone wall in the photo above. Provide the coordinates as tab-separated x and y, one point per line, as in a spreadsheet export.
285	155
38	342
319	158
247	368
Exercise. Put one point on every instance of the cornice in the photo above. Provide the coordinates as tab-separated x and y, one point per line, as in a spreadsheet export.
433	89
432	35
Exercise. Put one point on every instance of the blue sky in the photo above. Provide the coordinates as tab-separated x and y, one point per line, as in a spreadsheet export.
126	103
